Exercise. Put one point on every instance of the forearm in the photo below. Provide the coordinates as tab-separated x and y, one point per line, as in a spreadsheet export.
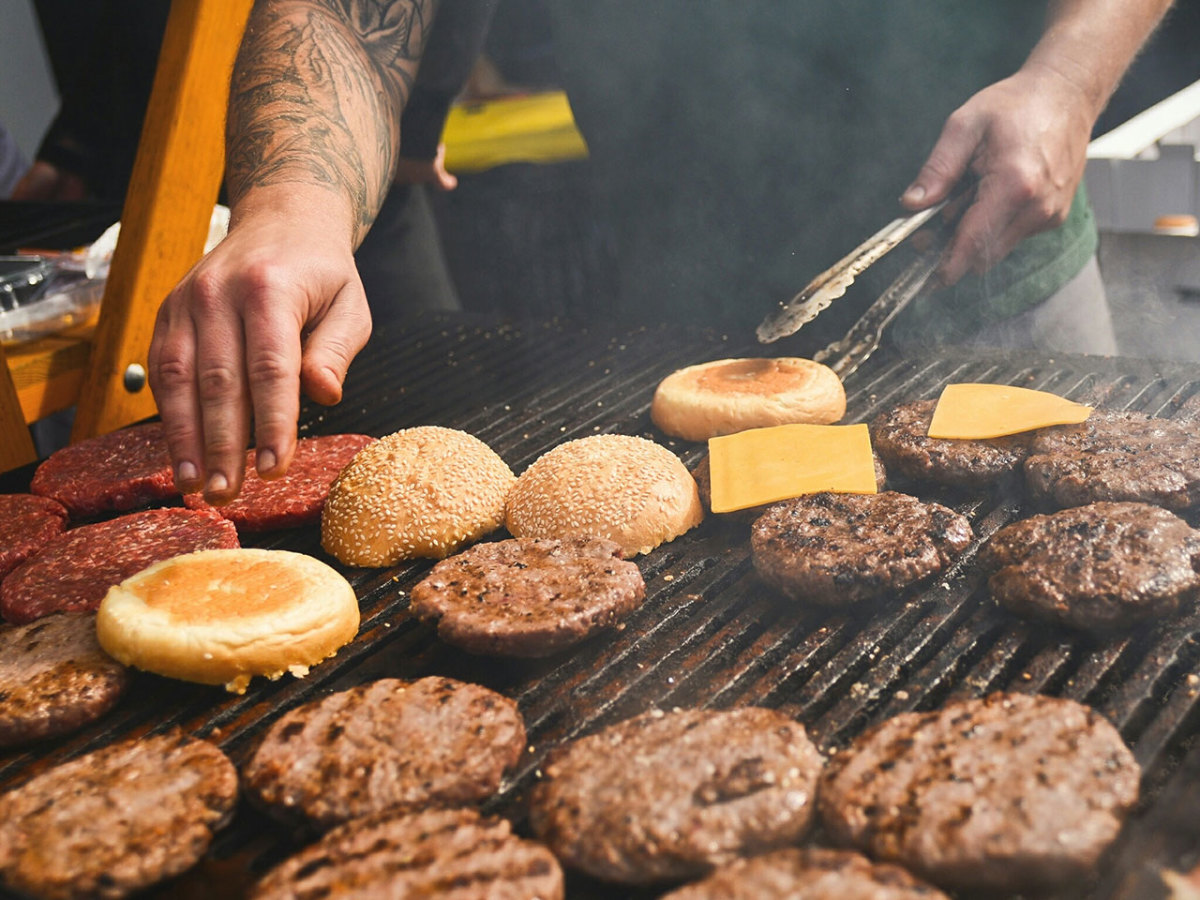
1090	43
315	104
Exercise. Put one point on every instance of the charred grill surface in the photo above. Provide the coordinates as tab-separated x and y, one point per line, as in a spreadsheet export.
710	633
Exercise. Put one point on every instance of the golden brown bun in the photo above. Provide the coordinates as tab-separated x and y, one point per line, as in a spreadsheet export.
223	616
730	395
421	492
626	489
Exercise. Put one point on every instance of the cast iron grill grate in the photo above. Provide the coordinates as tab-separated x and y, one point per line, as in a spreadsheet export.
709	633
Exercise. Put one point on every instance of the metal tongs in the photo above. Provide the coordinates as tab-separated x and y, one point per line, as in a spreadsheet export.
863	338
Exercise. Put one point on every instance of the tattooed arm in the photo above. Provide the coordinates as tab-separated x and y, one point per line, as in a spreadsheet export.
312	144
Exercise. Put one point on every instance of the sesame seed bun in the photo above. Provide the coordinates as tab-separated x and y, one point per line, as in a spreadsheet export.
626	489
224	616
730	395
421	492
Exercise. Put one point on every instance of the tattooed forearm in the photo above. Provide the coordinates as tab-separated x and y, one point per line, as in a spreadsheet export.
317	93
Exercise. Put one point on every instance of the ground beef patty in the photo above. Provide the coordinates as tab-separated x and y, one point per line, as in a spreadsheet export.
1117	456
670	795
452	854
389	744
835	549
1097	567
901	437
54	678
121	470
27	523
812	874
75	570
298	497
527	597
1008	793
116	820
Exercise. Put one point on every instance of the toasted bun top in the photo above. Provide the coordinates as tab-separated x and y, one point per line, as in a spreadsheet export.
730	395
626	489
222	616
420	492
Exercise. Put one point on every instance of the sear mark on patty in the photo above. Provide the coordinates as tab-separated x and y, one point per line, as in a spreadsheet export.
1117	456
389	744
901	437
528	598
55	678
836	549
1010	792
665	796
1099	567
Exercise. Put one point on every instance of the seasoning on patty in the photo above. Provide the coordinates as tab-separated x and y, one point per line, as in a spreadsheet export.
901	436
389	744
452	853
1007	793
1117	456
669	795
116	820
837	549
527	597
1097	567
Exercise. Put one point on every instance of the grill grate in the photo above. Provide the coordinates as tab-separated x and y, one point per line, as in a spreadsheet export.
709	632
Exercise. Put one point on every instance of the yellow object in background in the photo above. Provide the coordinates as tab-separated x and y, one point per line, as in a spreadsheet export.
532	128
763	465
981	411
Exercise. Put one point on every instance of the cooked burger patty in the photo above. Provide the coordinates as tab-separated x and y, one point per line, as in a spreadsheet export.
527	597
1097	567
121	470
811	874
74	571
835	549
27	523
670	795
389	744
901	437
54	678
452	854
1117	456
117	820
1008	792
298	497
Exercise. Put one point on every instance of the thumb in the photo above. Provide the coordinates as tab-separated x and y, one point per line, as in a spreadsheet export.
332	345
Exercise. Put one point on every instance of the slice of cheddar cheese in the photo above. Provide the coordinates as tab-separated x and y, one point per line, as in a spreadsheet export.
978	411
763	465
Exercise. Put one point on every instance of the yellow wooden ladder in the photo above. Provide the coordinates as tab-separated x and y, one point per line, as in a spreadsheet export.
164	224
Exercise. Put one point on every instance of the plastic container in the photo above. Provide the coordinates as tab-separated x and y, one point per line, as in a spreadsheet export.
40	295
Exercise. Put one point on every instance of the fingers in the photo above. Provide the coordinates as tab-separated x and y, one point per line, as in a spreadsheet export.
1009	206
221	388
947	164
273	371
333	344
443	180
172	361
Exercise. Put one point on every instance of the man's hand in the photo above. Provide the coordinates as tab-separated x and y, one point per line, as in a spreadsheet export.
1025	138
275	308
426	171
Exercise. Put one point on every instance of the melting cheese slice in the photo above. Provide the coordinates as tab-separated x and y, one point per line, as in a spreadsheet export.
763	465
977	411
